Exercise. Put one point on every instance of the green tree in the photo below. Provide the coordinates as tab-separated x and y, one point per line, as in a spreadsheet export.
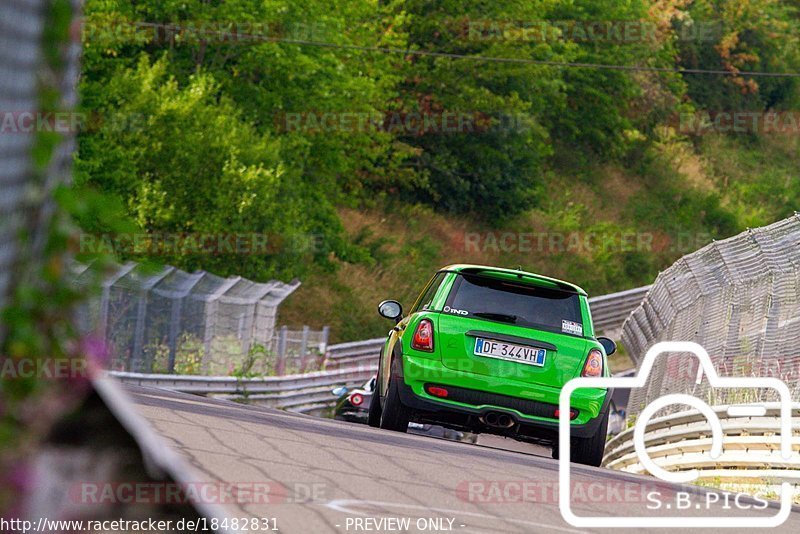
184	159
740	35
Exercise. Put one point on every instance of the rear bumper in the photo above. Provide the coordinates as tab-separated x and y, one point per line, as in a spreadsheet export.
531	406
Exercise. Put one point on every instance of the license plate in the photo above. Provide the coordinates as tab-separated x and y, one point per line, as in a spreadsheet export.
510	351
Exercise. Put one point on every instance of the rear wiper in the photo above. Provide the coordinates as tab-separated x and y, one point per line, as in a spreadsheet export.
506	318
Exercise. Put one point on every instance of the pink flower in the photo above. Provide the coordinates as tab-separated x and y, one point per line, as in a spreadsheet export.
96	351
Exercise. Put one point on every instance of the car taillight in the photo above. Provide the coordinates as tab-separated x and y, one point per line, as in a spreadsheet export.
356	399
423	336
438	391
594	364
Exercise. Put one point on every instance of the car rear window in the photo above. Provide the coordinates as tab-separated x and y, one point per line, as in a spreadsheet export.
515	302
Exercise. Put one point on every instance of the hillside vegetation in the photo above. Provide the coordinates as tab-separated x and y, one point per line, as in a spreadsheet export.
613	231
368	163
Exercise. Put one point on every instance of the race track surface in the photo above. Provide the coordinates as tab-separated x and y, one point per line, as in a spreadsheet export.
319	475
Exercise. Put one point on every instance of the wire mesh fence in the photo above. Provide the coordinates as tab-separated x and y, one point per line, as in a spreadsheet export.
288	352
171	321
740	299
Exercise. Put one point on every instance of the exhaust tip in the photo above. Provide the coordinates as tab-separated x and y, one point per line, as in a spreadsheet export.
498	420
504	421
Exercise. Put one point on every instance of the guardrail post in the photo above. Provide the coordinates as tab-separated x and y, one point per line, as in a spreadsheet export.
323	348
280	366
326	330
304	342
304	350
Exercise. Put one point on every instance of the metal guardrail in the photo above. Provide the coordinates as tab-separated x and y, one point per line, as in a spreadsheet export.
354	353
298	393
681	441
610	311
156	454
608	314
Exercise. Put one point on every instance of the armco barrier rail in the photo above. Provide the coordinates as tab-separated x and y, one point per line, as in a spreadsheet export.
299	393
608	314
354	353
156	454
610	311
680	441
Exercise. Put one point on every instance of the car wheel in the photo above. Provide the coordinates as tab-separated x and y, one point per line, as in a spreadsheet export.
374	417
588	451
394	415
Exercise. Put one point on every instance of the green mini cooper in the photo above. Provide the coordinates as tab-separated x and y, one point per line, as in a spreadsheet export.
486	349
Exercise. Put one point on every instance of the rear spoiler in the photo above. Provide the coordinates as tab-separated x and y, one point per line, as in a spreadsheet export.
485	273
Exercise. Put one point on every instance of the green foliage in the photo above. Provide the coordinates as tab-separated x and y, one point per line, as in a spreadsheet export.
758	175
199	132
490	165
193	164
741	35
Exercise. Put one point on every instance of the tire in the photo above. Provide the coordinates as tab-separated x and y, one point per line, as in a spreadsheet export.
588	451
374	417
394	415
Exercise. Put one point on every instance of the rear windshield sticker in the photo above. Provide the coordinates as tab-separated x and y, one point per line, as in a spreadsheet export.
571	328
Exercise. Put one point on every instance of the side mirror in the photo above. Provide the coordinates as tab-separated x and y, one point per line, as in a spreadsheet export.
391	309
339	391
372	383
609	346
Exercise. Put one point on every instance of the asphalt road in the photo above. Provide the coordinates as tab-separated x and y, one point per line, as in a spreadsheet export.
318	475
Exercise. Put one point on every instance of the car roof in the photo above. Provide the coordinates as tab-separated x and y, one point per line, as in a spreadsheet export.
486	269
